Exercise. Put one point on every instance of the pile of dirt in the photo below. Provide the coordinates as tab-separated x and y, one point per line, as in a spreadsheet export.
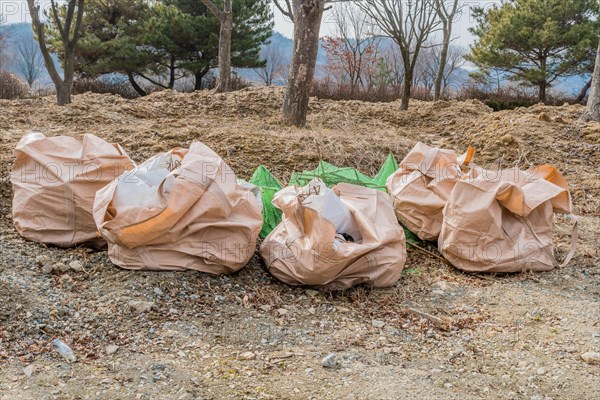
186	335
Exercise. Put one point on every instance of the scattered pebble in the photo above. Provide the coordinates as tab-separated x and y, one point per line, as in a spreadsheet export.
591	357
76	266
247	355
111	349
29	370
377	323
330	360
141	306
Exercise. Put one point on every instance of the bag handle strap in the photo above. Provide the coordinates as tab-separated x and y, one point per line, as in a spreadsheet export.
574	238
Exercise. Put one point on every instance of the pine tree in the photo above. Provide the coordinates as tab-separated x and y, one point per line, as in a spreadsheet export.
535	42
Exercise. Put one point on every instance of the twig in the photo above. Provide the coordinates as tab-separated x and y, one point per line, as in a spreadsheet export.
411	244
438	322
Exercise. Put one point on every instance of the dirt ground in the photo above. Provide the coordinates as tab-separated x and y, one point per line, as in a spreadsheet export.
195	336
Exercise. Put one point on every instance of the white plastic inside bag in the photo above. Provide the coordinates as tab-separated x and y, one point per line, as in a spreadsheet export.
139	187
255	190
324	201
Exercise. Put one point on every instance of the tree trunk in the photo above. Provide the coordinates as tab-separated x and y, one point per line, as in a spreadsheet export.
584	91
406	87
135	85
63	93
172	69
437	91
198	81
543	84
592	111
307	23
542	93
225	48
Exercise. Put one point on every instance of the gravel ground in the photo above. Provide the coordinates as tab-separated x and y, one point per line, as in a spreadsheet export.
439	333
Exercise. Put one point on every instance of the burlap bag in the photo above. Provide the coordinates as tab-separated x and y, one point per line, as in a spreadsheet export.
54	182
305	249
421	186
179	210
502	221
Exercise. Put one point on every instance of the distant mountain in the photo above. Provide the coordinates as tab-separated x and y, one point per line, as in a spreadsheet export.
22	31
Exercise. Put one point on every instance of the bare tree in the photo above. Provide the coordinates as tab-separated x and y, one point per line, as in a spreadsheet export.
29	62
409	23
428	67
275	63
446	10
306	15
353	47
592	111
69	30
225	17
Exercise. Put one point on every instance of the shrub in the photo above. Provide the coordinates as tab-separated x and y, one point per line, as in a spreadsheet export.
11	87
102	86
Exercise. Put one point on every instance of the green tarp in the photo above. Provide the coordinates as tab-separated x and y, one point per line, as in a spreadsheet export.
269	185
328	173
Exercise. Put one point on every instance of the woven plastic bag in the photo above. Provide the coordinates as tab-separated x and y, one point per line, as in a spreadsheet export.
502	221
307	248
180	210
421	186
55	180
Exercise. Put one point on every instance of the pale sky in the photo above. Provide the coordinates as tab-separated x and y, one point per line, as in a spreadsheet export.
16	11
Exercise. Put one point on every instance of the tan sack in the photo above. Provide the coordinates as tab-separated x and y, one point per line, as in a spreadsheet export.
421	186
307	249
54	183
179	210
502	221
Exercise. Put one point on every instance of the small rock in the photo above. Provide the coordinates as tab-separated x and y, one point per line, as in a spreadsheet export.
47	268
141	306
377	323
544	117
266	307
591	357
308	370
76	266
330	360
66	281
61	266
219	298
282	311
28	370
42	260
247	355
311	293
158	291
312	310
111	349
541	371
194	297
